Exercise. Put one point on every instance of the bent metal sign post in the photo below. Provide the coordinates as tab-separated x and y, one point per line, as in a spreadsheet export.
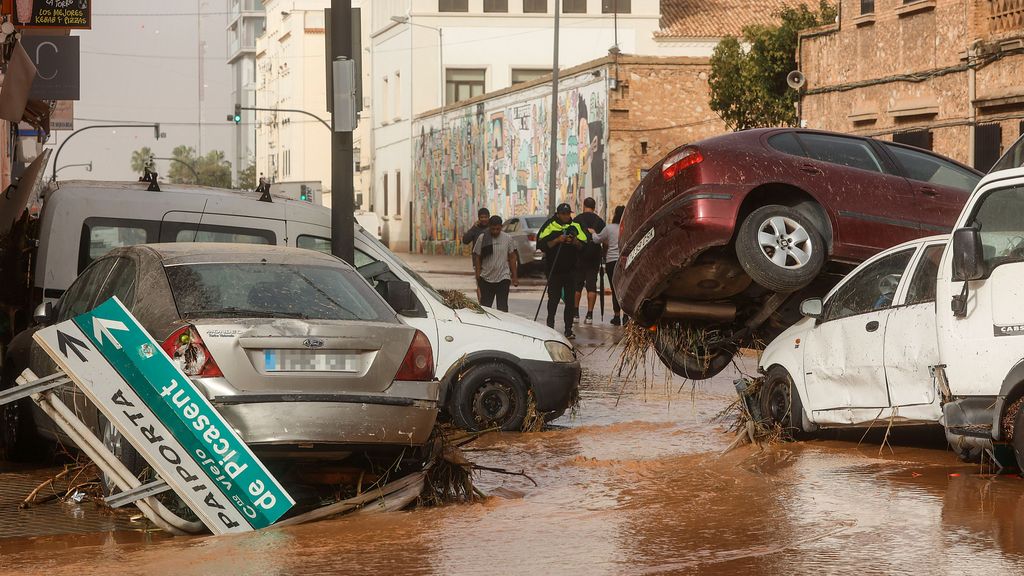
166	418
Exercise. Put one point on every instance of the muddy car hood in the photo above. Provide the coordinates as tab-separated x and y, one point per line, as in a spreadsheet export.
506	322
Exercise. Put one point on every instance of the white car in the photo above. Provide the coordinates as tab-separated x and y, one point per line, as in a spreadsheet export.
864	353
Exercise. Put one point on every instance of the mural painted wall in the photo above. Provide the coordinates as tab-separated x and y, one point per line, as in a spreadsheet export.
495	153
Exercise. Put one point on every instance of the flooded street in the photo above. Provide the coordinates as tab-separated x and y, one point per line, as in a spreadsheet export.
634	484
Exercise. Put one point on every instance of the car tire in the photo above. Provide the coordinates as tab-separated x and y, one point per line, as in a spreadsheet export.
779	403
780	248
683	362
1018	439
965	451
487	396
19	441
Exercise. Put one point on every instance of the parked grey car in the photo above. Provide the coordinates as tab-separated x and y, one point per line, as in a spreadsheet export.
293	347
523	230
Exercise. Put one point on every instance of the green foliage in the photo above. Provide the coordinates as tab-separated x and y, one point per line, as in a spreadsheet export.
247	177
209	170
748	86
140	159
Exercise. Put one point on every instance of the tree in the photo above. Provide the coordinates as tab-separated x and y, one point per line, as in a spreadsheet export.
748	78
141	158
214	170
180	170
247	177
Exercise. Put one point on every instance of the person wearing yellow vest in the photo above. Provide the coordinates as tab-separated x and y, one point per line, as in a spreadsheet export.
561	240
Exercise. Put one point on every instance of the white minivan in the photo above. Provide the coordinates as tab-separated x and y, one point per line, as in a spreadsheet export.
495	368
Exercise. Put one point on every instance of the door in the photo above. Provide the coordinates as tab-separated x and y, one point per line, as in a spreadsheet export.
941	187
911	343
208	227
865	191
844	354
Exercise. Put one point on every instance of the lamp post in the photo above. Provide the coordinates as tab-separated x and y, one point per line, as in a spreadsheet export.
154	126
441	94
87	165
179	160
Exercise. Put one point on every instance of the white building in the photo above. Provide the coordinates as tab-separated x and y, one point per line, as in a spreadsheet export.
245	23
291	74
429	53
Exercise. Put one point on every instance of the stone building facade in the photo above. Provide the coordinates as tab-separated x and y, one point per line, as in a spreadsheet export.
617	116
938	74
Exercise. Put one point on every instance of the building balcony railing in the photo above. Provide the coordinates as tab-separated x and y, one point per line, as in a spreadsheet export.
1005	16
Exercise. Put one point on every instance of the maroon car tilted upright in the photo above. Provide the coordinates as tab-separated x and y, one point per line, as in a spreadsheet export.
724	237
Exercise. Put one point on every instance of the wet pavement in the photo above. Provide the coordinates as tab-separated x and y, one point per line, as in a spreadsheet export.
635	484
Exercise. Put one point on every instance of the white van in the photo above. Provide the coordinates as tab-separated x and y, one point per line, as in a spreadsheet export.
492	365
928	332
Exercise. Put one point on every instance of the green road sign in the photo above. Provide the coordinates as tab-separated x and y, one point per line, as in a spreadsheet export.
185	411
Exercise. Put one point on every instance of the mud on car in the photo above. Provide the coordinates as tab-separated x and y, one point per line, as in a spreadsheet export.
723	238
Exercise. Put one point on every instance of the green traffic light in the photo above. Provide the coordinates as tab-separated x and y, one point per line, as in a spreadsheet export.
238	119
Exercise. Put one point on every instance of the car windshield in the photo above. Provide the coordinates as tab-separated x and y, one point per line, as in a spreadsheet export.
261	290
535	222
396	261
999	217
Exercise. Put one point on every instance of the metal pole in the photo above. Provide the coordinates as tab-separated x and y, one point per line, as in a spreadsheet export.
296	110
342	189
553	160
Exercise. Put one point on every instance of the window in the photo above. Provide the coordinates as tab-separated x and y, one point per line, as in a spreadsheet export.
867	6
80	296
917	138
183	232
463	84
787	143
872	288
535	6
120	282
616	6
520	75
453	6
398	193
356	166
924	167
511	225
843	151
101	235
314	243
286	162
1000	219
988	139
385	193
922	285
495	5
398	95
261	290
574	6
384	108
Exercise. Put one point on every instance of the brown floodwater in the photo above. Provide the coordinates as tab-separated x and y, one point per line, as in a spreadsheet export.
636	484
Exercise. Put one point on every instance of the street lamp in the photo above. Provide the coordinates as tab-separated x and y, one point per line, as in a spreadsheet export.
87	166
154	126
172	159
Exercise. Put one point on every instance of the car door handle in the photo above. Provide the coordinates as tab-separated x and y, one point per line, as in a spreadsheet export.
929	191
871	326
811	169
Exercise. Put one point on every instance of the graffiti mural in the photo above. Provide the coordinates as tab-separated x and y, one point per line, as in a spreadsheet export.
496	154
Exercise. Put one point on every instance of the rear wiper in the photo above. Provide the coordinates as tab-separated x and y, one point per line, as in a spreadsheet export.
236	311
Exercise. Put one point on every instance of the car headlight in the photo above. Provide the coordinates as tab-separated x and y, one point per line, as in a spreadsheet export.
559	352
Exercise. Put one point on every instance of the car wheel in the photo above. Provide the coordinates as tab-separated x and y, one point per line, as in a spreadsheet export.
487	396
19	441
137	465
780	403
780	249
696	361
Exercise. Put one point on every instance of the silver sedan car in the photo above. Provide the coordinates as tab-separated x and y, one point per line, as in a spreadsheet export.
291	346
523	230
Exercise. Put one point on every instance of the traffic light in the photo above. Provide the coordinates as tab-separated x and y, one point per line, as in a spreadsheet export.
305	193
238	114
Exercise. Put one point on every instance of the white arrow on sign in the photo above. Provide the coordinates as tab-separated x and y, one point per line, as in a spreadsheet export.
102	327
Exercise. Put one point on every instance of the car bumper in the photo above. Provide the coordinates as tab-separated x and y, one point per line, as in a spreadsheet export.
554	384
402	417
700	219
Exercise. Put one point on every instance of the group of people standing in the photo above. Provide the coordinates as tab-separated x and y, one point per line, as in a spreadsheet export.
574	249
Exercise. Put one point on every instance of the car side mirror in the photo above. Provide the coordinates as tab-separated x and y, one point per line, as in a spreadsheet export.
44	314
968	255
398	294
812	308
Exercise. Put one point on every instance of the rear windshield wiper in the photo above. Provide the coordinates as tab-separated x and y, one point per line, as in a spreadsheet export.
236	311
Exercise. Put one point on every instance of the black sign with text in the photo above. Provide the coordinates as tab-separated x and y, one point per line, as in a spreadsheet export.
70	14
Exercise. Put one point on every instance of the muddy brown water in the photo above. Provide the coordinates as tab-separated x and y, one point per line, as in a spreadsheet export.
634	485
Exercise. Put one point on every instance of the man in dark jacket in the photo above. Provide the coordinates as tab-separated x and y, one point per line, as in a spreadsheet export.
483	217
561	240
590	259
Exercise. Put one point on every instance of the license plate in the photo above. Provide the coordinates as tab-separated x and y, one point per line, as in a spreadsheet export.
640	246
310	361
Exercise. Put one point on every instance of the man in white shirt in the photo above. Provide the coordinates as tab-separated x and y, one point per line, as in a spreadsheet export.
495	263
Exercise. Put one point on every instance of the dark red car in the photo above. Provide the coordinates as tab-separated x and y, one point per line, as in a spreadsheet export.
723	238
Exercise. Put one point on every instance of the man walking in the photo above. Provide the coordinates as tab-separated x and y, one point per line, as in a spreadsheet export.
561	240
495	263
590	260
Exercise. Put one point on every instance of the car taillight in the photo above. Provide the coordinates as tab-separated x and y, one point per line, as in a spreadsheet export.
531	237
187	349
680	161
419	360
